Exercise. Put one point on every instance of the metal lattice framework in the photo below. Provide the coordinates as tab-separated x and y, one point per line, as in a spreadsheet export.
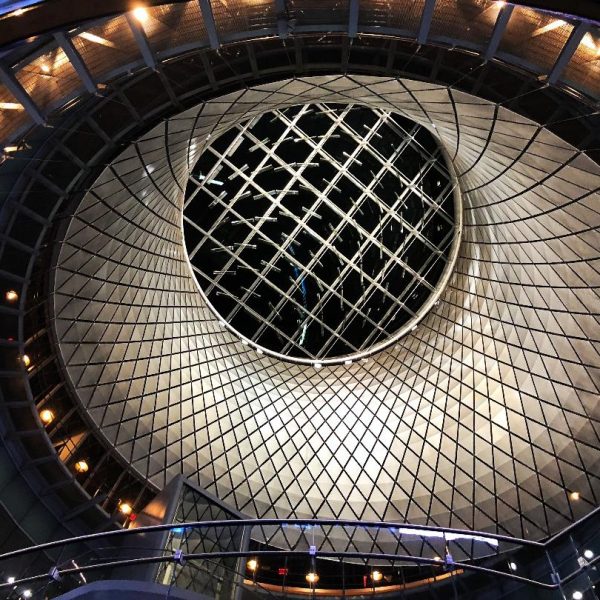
480	418
369	205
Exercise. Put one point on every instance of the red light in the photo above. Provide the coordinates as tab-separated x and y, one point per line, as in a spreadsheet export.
282	571
132	517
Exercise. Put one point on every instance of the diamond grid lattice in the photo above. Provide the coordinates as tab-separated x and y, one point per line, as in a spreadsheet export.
321	230
483	417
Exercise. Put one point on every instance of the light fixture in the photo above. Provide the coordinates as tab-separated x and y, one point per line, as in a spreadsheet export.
45	68
81	466
252	565
141	14
437	558
9	149
10	106
574	496
10	580
312	577
588	554
125	508
376	576
92	37
46	416
577	595
500	3
26	594
11	296
512	566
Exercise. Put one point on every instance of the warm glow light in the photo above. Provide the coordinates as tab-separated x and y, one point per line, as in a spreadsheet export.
500	3
312	577
92	37
141	14
376	576
574	496
26	360
125	508
11	296
81	466
11	149
45	68
438	558
550	27
10	106
46	416
588	42
252	564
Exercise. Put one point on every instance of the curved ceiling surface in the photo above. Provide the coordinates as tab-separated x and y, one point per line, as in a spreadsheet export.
481	418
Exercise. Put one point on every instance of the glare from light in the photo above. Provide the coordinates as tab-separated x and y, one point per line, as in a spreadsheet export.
46	416
500	3
92	37
11	296
376	576
312	577
10	580
550	27
45	68
512	566
252	565
125	508
588	554
141	14
8	149
26	360
588	42
27	594
10	106
81	466
437	558
577	595
574	496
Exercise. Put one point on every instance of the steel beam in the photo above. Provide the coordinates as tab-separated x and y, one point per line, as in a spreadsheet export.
353	18
426	18
282	18
7	77
568	50
142	41
501	23
209	23
66	43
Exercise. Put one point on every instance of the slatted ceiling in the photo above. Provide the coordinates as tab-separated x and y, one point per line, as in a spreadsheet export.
535	38
311	12
173	25
11	120
49	79
402	14
234	16
112	46
583	70
454	18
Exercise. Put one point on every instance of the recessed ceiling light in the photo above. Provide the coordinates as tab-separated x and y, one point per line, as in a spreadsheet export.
141	14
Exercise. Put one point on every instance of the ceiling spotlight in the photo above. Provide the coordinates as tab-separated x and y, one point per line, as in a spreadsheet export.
312	577
125	508
26	360
252	565
28	594
577	595
45	68
512	566
588	554
81	466
141	14
10	106
11	296
10	580
46	416
376	575
574	496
